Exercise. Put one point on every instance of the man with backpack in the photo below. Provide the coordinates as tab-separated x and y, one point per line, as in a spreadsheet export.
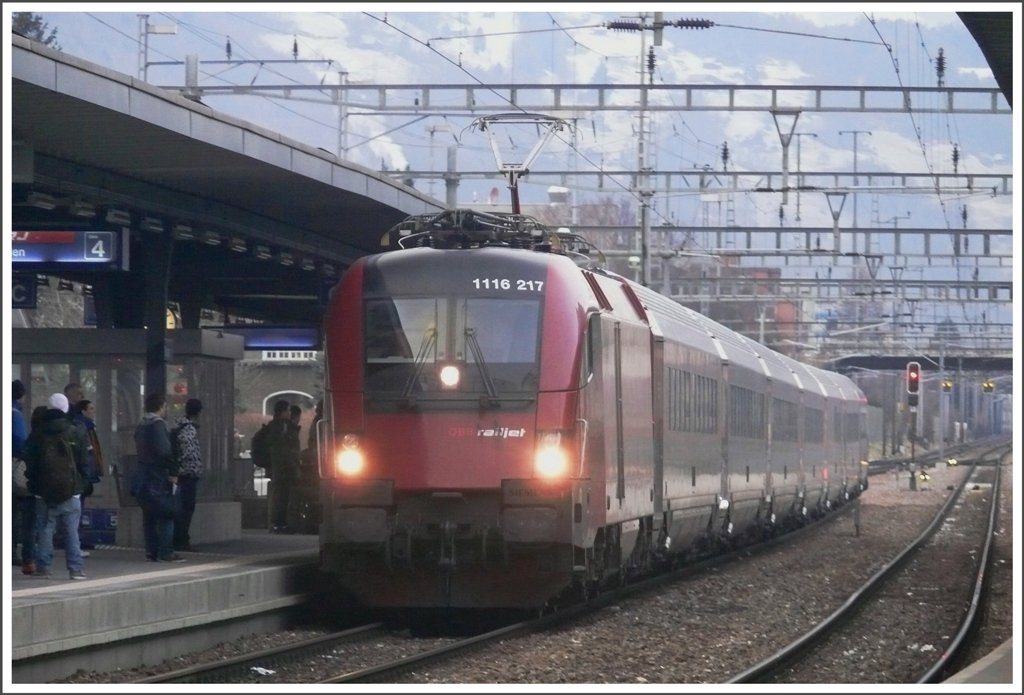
55	463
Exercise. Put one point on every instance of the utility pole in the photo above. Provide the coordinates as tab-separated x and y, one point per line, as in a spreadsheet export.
897	272
432	129
145	29
643	185
856	181
800	177
342	115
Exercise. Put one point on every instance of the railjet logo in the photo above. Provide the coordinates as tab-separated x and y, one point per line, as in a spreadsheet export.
500	432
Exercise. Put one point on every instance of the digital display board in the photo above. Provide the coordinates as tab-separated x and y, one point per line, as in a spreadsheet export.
98	249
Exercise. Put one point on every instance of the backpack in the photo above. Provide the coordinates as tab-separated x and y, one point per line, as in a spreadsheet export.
260	450
58	472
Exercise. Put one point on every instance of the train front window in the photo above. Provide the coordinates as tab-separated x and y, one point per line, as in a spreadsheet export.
493	342
497	338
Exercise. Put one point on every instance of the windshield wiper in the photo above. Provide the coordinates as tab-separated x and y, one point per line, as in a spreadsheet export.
429	339
478	357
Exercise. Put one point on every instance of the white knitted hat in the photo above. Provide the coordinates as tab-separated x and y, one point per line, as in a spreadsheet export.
59	401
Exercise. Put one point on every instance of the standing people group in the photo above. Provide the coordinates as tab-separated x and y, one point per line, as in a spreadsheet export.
57	461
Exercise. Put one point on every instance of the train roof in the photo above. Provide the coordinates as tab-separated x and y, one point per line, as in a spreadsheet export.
464	228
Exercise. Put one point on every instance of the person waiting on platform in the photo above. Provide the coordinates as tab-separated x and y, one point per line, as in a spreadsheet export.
190	469
155	480
55	460
284	456
85	415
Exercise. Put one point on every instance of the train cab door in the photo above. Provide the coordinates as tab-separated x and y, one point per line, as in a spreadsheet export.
603	418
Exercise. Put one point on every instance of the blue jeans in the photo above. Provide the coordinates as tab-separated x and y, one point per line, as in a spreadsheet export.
68	513
158	531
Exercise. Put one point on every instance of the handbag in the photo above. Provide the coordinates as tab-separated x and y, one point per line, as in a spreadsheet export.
20	479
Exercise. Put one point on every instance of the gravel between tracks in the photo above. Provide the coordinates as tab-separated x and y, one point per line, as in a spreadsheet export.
705	629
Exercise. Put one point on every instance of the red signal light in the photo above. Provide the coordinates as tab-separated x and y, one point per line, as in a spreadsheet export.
913	377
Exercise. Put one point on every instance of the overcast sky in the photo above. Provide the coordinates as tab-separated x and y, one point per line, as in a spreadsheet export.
804	44
394	44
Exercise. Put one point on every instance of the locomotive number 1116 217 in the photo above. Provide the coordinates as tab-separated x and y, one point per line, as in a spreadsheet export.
508	284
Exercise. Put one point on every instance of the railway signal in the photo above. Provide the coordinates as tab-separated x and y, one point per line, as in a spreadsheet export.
947	385
988	386
913	382
913	377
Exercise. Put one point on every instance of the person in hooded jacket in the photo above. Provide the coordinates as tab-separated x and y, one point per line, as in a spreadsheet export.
49	511
155	480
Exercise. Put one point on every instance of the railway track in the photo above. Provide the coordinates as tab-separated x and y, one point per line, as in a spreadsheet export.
916	579
357	651
370	656
266	660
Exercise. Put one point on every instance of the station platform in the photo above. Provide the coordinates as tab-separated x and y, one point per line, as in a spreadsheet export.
126	609
995	667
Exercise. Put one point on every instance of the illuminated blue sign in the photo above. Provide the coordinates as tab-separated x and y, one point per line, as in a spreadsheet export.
68	247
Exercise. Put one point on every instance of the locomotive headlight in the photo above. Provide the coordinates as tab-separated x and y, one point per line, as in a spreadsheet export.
550	459
349	458
450	375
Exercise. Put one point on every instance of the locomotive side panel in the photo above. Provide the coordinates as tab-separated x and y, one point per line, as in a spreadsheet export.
625	376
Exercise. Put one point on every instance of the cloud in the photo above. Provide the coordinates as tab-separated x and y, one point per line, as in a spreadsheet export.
686	66
980	74
775	71
743	125
829	19
839	19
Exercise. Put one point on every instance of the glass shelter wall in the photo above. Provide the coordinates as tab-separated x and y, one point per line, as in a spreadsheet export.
110	366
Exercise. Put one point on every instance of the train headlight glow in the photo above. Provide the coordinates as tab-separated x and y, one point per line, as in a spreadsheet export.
450	376
349	458
550	459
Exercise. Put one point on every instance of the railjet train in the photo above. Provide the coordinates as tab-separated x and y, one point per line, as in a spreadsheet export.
508	425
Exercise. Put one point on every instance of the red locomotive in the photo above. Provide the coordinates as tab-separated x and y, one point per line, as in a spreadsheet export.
506	423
